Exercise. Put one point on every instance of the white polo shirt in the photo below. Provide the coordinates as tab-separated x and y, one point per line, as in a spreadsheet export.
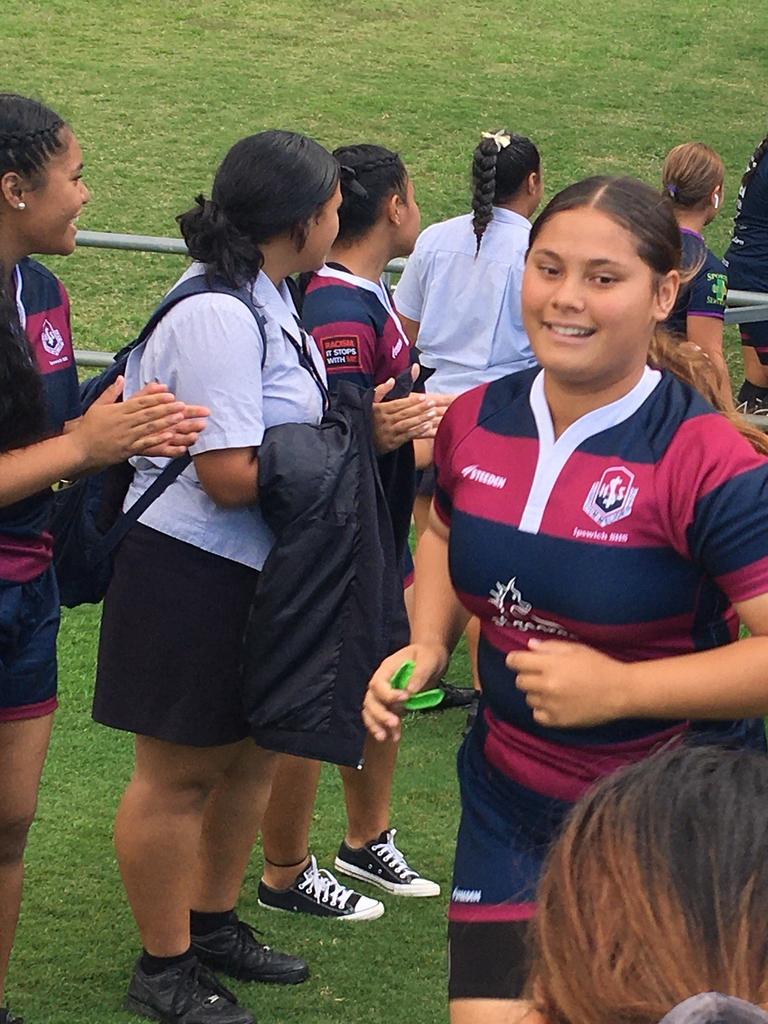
471	328
208	350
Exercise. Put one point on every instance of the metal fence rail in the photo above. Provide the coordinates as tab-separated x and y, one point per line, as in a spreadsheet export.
743	307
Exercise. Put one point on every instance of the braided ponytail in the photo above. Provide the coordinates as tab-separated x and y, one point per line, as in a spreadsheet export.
754	161
501	164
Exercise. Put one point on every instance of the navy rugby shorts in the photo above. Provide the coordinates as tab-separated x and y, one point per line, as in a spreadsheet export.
29	624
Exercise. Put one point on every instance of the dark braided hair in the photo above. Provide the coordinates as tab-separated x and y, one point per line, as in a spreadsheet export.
370	175
754	161
22	410
497	174
30	135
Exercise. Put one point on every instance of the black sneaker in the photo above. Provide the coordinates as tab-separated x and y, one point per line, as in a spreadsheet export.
317	892
381	863
187	993
235	950
6	1017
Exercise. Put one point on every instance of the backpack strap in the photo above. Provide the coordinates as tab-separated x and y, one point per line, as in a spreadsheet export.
198	285
201	284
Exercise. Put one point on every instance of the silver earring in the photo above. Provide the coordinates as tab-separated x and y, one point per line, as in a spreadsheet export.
21	206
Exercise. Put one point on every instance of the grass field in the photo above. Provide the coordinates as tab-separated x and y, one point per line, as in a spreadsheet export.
157	92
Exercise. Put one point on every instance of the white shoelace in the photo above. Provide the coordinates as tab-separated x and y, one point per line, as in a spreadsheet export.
323	887
392	857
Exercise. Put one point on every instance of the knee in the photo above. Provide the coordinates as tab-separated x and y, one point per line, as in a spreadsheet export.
169	796
13	838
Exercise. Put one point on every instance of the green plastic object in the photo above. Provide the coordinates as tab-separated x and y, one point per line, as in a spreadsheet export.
419	701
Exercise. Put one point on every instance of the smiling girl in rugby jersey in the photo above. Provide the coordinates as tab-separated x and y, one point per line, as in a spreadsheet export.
609	572
43	439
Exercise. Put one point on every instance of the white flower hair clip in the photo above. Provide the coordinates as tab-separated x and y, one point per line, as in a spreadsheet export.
501	138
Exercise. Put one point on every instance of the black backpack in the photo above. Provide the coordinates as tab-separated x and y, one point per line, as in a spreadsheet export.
87	522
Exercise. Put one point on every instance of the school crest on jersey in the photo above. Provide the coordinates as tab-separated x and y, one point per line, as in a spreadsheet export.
517	613
51	338
612	496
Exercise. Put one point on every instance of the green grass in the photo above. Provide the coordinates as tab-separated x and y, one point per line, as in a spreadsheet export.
157	92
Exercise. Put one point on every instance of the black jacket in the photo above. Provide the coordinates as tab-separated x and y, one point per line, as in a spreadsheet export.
329	602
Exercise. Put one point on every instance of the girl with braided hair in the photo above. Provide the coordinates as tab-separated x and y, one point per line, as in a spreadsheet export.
746	260
349	311
43	439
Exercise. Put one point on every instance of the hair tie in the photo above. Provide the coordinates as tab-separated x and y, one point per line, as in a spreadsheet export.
502	138
671	190
350	183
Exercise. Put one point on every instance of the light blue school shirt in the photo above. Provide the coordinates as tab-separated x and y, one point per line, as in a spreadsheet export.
208	350
471	326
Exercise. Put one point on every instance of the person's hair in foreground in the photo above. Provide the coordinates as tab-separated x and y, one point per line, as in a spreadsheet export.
657	889
650	219
501	164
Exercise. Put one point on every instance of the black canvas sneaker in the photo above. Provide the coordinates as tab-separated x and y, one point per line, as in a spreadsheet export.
6	1017
317	892
186	993
381	863
235	950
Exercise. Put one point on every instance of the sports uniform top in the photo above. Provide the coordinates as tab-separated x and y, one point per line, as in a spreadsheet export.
208	350
633	533
468	307
356	327
705	294
747	256
43	307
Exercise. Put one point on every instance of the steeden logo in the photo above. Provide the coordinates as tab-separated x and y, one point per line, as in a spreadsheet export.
482	476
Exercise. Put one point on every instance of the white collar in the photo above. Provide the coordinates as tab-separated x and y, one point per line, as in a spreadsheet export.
378	288
19	284
510	217
277	302
593	422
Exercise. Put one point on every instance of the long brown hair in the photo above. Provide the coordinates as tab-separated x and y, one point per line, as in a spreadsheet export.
650	219
657	889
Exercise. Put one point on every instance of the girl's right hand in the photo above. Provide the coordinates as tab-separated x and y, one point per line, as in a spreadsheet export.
112	431
383	706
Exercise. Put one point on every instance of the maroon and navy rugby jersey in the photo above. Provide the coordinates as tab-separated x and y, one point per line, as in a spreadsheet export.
633	532
43	305
356	327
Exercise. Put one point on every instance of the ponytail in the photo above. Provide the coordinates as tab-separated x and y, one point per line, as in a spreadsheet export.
754	161
213	240
500	164
269	184
22	408
692	367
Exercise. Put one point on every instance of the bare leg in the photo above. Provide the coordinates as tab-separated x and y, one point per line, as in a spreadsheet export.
23	746
288	818
158	834
754	371
233	816
492	1011
367	793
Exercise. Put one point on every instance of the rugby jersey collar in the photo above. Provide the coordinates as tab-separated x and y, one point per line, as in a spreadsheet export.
19	287
553	454
378	288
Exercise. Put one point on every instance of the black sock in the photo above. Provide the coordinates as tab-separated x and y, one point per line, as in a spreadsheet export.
157	964
750	392
202	923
